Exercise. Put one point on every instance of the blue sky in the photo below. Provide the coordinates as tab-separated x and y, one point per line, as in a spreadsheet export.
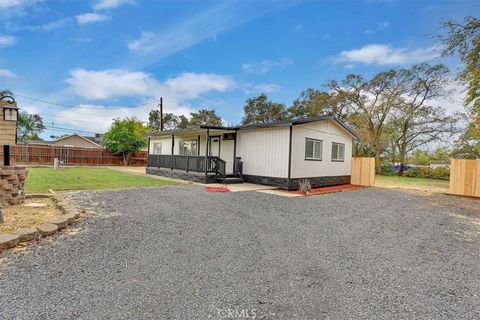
101	55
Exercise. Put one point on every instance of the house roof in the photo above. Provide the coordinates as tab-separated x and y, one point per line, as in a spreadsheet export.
89	139
283	123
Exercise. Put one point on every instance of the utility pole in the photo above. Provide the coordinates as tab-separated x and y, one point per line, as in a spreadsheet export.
161	113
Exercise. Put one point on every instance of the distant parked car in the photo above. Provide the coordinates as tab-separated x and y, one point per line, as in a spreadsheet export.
405	168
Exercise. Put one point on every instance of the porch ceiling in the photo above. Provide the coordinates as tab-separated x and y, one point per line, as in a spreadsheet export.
191	132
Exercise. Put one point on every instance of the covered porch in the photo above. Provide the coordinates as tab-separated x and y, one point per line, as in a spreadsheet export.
203	154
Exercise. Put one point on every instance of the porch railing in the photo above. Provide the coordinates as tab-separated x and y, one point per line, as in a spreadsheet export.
188	163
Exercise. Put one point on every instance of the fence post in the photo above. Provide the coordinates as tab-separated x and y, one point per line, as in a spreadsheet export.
6	155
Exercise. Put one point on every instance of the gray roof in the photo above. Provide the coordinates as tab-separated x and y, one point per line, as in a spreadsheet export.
283	123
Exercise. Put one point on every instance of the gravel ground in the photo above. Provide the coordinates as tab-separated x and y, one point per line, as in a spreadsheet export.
182	253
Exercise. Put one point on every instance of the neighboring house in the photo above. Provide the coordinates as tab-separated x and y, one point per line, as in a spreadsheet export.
76	141
278	154
73	141
440	163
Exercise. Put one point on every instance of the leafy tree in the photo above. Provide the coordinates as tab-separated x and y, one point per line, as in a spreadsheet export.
183	122
420	158
464	38
441	154
261	110
369	103
414	122
29	126
205	117
313	103
125	137
303	106
170	121
468	146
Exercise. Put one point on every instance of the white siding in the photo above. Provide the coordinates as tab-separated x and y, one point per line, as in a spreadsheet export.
166	144
264	152
327	131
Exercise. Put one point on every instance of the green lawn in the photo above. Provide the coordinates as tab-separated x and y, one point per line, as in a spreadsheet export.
413	183
40	180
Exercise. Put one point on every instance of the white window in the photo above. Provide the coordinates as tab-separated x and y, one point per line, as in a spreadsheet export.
157	148
338	151
10	114
313	149
189	148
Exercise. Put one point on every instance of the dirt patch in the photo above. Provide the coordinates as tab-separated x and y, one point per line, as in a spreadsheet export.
24	216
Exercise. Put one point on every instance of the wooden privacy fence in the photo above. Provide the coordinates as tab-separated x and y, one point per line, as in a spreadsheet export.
44	155
465	177
363	171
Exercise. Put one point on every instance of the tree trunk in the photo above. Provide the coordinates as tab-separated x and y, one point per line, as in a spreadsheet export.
378	159
402	156
127	158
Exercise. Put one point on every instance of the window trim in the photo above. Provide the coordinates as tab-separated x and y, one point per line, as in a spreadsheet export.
340	144
321	149
195	141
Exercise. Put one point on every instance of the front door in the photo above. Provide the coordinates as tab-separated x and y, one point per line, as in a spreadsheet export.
214	146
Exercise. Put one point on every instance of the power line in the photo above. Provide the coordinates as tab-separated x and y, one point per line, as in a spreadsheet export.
54	128
82	107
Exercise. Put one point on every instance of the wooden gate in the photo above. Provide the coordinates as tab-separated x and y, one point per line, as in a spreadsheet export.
465	177
363	171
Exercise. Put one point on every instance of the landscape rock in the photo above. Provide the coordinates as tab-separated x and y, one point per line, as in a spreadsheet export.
71	217
60	222
8	240
27	234
47	229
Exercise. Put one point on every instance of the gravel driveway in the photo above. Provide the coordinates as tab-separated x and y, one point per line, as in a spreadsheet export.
182	253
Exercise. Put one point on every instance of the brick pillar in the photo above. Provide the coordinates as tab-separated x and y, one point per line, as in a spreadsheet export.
12	182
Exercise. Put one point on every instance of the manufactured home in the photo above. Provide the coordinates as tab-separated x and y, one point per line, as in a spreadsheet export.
279	154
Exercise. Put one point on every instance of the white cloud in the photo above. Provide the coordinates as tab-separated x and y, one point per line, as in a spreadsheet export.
50	26
379	54
110	84
144	44
265	66
191	85
7	73
380	26
7	41
261	88
15	8
109	4
86	18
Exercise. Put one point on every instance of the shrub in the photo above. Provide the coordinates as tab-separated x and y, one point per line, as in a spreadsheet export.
441	173
388	170
417	172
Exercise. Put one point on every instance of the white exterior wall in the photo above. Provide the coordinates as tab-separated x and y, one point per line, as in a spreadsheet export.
327	131
264	152
166	144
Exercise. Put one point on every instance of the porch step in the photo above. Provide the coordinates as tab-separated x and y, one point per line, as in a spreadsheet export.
230	180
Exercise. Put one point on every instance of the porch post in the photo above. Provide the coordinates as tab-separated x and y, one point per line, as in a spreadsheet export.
207	137
198	146
234	151
173	144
